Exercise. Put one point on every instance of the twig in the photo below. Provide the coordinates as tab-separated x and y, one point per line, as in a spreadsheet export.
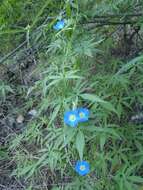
13	52
118	15
101	23
2	186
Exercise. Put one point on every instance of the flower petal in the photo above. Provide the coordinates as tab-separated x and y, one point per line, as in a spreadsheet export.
59	25
71	118
83	114
82	167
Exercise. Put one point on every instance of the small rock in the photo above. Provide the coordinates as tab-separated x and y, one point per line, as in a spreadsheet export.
32	112
20	119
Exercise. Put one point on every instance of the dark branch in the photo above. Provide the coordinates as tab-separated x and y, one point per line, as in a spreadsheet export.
118	15
12	52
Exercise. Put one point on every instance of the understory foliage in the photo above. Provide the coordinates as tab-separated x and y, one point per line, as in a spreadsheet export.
96	62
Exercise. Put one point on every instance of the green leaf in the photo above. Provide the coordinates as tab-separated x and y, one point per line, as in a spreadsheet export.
103	103
107	130
53	159
12	31
92	98
102	141
135	179
26	169
128	185
69	134
54	114
3	154
80	143
109	106
68	9
37	17
131	64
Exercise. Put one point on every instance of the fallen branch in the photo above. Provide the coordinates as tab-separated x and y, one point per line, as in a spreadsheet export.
13	52
118	15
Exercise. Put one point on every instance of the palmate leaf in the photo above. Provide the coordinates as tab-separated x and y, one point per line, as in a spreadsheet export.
85	46
96	99
59	79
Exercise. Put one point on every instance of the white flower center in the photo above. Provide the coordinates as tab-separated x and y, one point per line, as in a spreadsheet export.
82	168
82	115
72	118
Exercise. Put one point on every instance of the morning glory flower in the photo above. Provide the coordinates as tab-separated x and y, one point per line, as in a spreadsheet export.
59	25
71	118
82	167
83	114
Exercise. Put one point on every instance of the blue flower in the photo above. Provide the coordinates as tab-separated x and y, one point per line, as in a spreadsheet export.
82	167
59	25
83	114
71	118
